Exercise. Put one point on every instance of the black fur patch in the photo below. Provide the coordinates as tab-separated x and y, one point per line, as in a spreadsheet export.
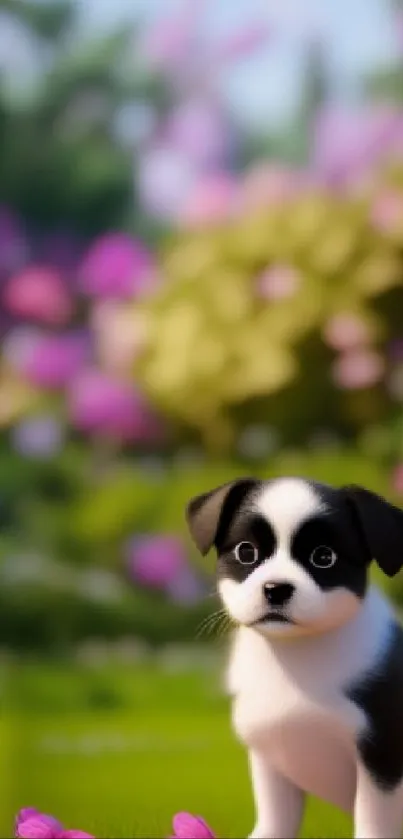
380	696
331	530
335	527
252	528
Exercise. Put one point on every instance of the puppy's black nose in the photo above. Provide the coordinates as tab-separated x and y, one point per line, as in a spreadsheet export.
278	594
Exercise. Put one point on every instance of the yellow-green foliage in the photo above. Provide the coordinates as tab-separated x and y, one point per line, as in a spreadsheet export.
220	354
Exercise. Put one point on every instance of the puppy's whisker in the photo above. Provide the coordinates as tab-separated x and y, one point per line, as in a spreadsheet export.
209	623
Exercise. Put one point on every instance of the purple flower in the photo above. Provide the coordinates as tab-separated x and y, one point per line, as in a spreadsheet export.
167	44
103	405
156	561
164	179
60	249
185	587
13	246
54	360
38	436
241	44
117	266
348	142
30	824
187	826
198	130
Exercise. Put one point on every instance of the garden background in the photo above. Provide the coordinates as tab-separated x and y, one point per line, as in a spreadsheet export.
192	287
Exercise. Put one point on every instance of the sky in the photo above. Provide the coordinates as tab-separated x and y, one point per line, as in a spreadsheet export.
358	35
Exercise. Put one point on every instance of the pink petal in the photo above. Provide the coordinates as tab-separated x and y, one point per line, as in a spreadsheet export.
39	826
24	814
187	826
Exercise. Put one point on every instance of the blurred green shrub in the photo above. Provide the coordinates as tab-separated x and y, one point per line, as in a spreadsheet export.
75	585
283	317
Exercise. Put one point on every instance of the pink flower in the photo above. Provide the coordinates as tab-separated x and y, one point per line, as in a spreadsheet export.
198	130
360	368
38	293
156	561
387	211
54	360
278	282
213	199
120	334
345	331
268	184
30	824
117	266
241	44
103	405
168	42
349	141
187	826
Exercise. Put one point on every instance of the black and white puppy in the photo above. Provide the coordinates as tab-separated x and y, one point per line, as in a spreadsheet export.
316	670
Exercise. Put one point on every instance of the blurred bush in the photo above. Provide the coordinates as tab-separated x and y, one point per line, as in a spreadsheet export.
287	316
170	319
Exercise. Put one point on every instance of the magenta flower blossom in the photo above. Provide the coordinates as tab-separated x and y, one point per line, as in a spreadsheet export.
187	826
54	360
30	824
117	266
38	293
103	405
156	561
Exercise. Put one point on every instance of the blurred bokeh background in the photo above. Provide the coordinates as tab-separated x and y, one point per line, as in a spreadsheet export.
201	276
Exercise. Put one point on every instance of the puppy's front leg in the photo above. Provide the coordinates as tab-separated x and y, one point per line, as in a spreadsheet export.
279	804
377	812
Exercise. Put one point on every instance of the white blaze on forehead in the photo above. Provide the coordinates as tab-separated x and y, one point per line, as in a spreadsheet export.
286	504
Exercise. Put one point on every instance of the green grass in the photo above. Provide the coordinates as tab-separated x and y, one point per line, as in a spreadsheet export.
125	770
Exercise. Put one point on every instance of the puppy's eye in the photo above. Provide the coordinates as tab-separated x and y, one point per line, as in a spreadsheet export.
323	557
246	553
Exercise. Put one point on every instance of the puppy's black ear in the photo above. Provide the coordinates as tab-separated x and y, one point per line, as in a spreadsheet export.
205	512
381	525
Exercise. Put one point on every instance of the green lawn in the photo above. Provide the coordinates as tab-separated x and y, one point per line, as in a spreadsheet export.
118	751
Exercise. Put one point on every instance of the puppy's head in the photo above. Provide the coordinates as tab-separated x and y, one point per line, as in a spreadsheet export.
293	555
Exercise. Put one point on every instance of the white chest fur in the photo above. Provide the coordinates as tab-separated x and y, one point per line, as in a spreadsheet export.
290	699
